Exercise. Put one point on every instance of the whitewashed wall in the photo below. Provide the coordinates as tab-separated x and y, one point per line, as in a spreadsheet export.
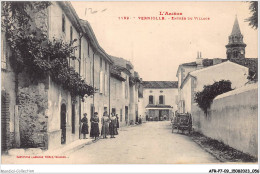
232	119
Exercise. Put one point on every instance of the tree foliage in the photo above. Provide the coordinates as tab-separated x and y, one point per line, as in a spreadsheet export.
253	20
209	92
35	54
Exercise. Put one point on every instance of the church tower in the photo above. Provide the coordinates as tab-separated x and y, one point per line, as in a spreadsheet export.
235	46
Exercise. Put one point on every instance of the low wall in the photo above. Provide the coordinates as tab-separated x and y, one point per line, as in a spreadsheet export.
232	119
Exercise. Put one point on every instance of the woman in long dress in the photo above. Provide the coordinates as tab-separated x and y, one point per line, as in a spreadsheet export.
117	124
105	125
95	128
112	126
84	129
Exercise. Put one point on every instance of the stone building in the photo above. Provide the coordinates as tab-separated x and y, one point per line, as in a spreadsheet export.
42	113
159	98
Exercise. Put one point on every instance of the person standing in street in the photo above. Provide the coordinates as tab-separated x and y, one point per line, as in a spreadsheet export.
105	125
112	126
84	129
95	128
117	123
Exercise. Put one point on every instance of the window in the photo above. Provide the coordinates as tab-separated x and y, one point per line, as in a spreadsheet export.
150	99
85	65
126	87
63	23
235	54
91	76
105	85
100	62
3	52
71	34
101	83
106	65
88	49
161	99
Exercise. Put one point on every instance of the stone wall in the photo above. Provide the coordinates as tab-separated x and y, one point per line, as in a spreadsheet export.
232	119
32	104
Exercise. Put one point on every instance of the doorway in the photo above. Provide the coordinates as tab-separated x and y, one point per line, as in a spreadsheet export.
160	115
73	119
63	123
126	115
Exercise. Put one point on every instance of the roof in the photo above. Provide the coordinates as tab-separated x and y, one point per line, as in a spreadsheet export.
160	84
121	62
206	62
250	63
209	68
116	74
158	106
236	28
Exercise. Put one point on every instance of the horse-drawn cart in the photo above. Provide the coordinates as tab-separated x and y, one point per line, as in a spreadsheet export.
182	122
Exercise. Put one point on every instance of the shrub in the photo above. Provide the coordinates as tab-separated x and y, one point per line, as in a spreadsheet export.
209	92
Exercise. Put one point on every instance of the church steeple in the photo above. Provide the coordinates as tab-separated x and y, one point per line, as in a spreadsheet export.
235	46
236	28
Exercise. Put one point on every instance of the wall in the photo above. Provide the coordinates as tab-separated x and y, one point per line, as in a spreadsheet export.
186	96
55	30
101	100
8	87
117	99
32	106
232	119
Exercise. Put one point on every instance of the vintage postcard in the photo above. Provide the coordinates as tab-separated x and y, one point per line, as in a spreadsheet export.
129	82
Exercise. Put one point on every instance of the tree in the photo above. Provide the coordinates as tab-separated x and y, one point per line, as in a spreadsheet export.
253	20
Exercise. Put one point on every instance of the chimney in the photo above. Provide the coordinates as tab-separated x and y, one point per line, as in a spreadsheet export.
199	60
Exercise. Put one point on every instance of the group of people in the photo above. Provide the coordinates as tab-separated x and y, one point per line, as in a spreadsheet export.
109	125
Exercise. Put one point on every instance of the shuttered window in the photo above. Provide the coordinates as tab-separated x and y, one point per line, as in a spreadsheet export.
3	51
101	82
105	85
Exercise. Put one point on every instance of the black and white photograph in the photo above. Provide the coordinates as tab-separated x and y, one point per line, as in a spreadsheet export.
130	82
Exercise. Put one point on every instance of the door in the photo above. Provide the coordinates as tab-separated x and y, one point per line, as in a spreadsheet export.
73	119
160	115
126	115
63	123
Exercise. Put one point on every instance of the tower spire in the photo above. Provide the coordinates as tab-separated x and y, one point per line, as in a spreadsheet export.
236	28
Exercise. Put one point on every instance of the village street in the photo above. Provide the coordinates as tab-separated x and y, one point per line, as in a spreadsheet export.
149	143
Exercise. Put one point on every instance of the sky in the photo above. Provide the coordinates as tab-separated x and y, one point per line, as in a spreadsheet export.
157	47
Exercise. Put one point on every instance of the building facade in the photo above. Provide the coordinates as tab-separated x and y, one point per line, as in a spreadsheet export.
159	98
43	113
125	85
